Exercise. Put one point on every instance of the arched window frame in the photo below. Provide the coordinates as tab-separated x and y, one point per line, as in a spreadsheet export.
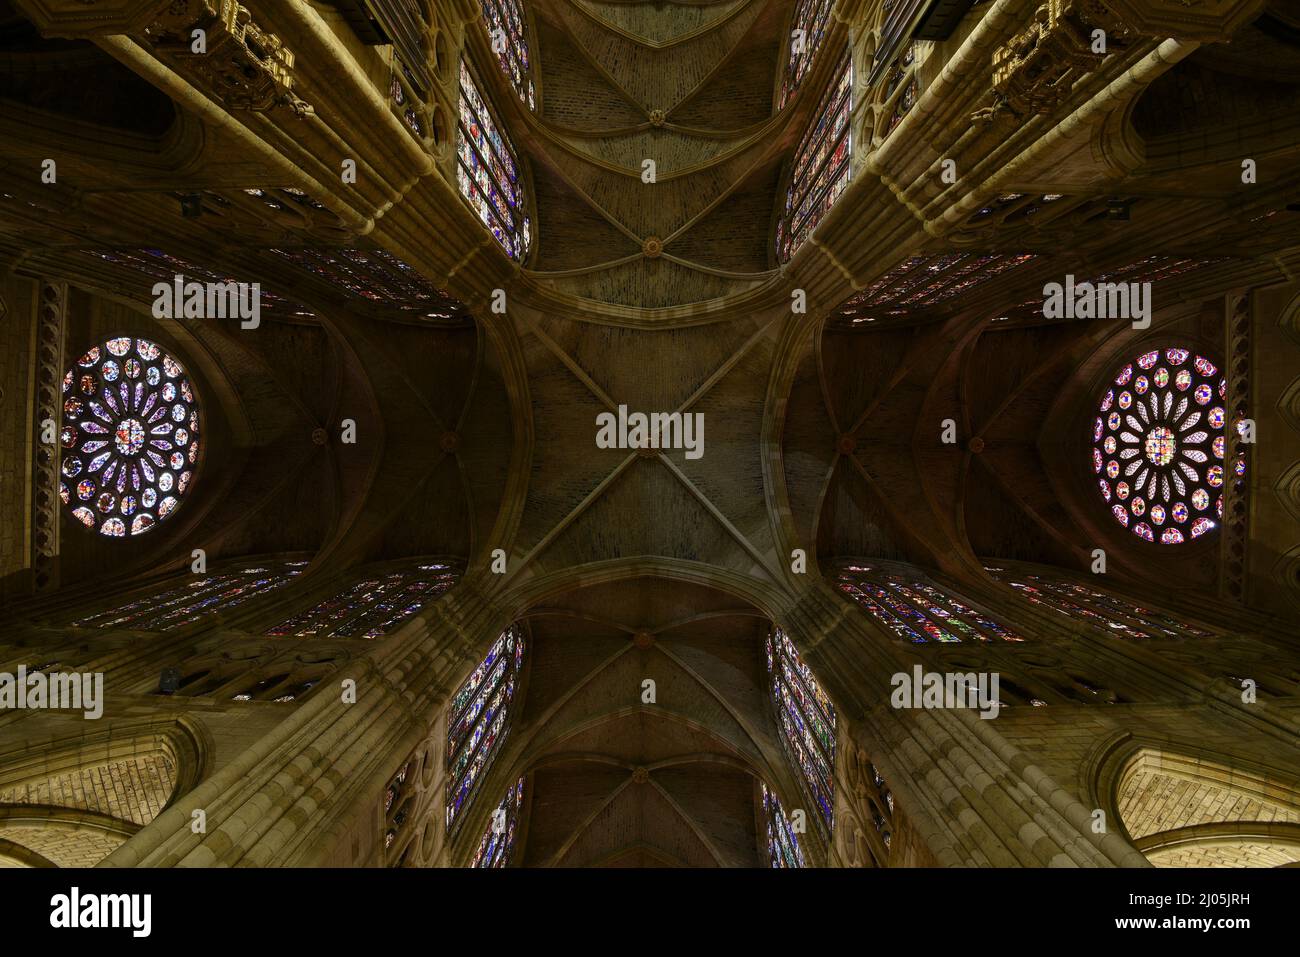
1195	425
822	165
812	17
515	59
783	849
497	846
478	720
375	601
916	609
1113	614
805	719
494	155
185	599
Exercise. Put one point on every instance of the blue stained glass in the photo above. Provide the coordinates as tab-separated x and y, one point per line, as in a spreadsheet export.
478	719
807	28
916	610
488	170
507	28
807	722
1116	615
498	841
822	166
373	606
782	843
183	604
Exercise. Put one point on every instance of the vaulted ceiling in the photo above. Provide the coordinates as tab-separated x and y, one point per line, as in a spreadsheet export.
475	429
686	88
622	779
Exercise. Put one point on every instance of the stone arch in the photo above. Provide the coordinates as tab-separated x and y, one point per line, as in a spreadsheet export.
72	801
1199	808
578	690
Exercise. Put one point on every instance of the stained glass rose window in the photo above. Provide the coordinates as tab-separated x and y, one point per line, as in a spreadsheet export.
1158	446
130	437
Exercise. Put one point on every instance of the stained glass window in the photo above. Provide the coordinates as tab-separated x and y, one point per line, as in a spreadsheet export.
1117	616
916	610
498	841
488	170
130	437
807	27
807	721
924	281
1159	445
880	805
507	28
163	267
198	596
397	807
478	719
375	275
782	843
373	606
821	164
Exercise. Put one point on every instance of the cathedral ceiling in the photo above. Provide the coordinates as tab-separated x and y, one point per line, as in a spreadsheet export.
475	427
655	154
673	780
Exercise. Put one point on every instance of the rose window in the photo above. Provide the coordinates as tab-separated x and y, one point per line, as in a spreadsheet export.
1159	444
130	437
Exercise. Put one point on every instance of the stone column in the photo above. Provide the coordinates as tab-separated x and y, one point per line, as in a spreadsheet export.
311	792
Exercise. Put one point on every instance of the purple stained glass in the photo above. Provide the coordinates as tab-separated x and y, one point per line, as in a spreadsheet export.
108	432
478	719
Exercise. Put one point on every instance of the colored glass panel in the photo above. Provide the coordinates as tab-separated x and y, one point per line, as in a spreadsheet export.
488	170
478	719
507	28
821	167
129	437
498	842
806	718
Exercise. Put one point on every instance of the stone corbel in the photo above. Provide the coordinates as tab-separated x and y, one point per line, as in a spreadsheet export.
244	66
1035	70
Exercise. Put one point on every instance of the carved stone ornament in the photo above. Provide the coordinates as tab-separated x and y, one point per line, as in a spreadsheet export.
244	66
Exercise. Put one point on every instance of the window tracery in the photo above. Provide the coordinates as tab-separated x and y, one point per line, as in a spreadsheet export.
783	848
923	282
488	170
163	267
130	437
806	718
807	29
183	604
1159	446
507	27
399	803
478	719
880	806
374	605
1112	613
498	841
917	610
822	164
376	276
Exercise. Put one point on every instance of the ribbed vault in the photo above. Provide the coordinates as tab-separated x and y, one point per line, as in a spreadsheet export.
616	778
